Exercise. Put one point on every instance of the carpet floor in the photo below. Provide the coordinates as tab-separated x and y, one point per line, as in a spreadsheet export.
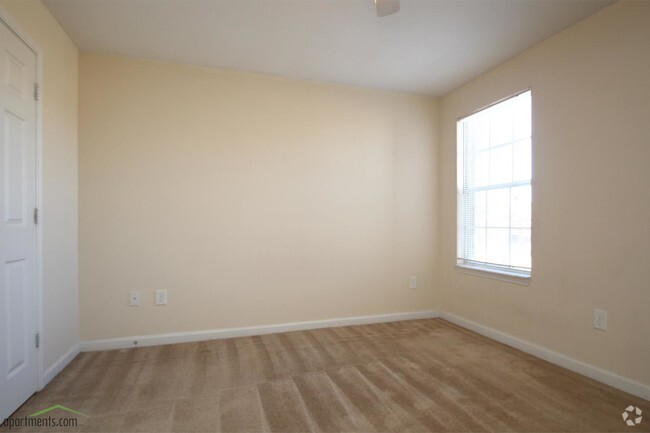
411	376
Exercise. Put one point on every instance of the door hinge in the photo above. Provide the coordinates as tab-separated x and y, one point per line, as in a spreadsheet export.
38	340
35	215
36	89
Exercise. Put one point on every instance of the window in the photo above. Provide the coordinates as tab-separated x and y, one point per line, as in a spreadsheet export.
494	188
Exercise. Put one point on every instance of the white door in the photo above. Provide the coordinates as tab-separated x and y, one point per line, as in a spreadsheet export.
18	325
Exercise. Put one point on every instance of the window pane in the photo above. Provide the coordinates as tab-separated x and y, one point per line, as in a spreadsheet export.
520	206
522	162
498	208
501	165
480	208
478	246
521	117
520	248
498	246
479	169
479	133
501	127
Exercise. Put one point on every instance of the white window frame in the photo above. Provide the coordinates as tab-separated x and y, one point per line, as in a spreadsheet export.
464	265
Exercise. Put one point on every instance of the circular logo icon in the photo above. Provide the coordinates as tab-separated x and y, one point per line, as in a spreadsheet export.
632	415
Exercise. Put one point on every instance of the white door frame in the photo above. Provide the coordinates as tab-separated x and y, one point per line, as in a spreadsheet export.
15	27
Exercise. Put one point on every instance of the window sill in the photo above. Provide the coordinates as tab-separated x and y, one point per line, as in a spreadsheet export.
522	280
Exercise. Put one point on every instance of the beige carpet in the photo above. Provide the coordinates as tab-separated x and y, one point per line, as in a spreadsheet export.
413	376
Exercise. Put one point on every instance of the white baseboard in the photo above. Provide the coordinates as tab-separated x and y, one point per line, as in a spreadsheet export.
56	368
214	334
612	379
607	377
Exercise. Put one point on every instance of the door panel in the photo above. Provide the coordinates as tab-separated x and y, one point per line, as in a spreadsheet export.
18	324
14	156
16	347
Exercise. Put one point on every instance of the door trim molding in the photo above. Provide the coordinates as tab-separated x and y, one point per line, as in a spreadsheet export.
38	277
60	364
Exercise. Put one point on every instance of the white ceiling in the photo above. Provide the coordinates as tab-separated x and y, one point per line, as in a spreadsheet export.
429	47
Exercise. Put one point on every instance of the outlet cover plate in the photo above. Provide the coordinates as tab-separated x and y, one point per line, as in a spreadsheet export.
161	297
600	319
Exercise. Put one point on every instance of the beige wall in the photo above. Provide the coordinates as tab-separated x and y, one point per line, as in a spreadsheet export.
59	161
253	200
591	194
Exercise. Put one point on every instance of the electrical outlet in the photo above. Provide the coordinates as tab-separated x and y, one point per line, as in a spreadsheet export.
161	297
413	282
600	319
134	299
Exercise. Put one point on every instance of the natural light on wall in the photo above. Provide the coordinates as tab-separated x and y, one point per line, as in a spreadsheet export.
494	188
